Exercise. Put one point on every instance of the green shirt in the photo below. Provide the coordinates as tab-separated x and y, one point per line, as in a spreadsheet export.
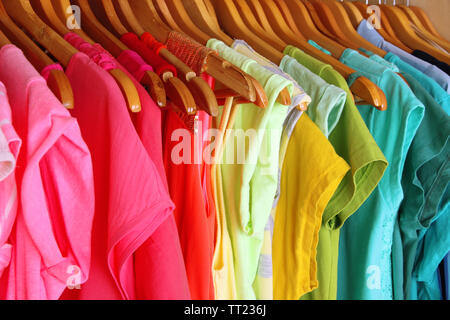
250	186
354	143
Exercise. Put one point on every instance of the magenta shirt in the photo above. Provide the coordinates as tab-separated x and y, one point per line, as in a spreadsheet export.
51	238
9	151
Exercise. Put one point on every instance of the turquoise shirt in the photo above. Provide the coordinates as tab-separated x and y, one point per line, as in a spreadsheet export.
365	265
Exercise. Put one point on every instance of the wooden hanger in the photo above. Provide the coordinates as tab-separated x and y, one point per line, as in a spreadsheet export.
423	17
415	20
353	11
179	12
3	39
333	13
204	14
236	79
204	20
163	13
114	46
202	94
149	80
220	69
22	12
328	25
57	81
253	25
291	9
231	21
403	30
353	8
233	24
372	93
316	19
46	11
252	13
222	92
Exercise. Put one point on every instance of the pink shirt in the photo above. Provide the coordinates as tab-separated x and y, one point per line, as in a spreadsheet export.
9	150
51	238
131	198
165	277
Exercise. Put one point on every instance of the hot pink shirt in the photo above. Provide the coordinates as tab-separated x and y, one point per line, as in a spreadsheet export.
131	198
165	277
51	238
9	151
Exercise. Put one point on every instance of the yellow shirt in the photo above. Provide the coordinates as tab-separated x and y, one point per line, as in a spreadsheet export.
311	173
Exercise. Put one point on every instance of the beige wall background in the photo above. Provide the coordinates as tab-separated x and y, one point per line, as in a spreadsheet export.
437	10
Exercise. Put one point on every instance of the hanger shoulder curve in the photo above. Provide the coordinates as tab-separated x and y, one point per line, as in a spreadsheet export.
253	24
200	90
149	19
128	89
97	31
423	17
416	21
180	95
198	12
162	11
155	87
57	81
22	12
389	36
127	16
3	39
182	18
370	92
258	19
231	21
60	85
340	13
400	22
289	9
354	14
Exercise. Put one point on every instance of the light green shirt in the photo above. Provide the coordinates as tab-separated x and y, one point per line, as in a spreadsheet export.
250	187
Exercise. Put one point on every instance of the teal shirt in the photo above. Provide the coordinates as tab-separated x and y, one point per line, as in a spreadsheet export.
365	265
426	176
432	87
